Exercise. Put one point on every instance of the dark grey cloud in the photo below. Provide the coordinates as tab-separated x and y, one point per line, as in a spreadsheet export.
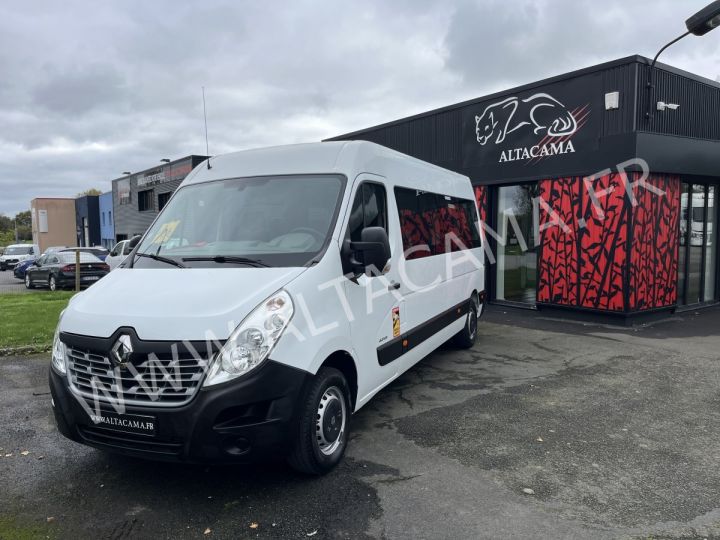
90	89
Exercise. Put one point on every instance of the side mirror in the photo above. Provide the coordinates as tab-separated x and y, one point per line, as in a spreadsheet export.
37	263
372	252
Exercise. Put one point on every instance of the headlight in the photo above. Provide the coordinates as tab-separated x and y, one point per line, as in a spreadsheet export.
58	351
251	342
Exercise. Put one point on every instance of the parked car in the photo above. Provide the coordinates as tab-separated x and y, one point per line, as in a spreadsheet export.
118	253
16	253
53	249
57	270
187	351
21	268
99	251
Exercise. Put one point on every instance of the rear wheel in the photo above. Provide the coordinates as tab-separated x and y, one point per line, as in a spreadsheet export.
466	337
52	283
322	432
28	281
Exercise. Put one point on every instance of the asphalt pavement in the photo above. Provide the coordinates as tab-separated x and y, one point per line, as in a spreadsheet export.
546	429
9	284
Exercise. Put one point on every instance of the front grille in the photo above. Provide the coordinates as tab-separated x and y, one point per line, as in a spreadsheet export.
154	380
126	441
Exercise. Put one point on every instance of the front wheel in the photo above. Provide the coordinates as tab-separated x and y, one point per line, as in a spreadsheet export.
322	433
52	283
28	282
466	337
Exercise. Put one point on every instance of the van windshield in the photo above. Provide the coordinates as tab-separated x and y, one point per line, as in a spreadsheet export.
259	221
18	250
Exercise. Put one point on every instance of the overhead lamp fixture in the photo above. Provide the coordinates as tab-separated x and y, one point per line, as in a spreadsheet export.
708	18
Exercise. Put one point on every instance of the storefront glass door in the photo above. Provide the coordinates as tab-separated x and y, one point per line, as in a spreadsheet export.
516	268
697	275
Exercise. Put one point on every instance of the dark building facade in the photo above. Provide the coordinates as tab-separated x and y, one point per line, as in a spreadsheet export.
87	221
137	198
597	192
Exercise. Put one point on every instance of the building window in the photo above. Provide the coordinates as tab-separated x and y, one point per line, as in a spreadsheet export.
697	270
163	198
103	218
109	217
516	258
145	200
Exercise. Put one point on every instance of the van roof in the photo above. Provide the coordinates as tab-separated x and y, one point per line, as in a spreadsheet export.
346	157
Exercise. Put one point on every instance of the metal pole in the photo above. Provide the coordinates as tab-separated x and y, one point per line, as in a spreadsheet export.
77	269
650	87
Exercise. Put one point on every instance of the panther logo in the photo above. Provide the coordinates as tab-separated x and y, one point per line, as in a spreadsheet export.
541	112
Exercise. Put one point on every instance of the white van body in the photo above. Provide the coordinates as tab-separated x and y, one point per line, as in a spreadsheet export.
17	253
375	326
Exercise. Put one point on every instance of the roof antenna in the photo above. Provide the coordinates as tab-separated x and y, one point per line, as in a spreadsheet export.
207	146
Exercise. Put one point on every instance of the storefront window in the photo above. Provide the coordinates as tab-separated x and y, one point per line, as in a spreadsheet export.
697	272
516	268
696	227
711	245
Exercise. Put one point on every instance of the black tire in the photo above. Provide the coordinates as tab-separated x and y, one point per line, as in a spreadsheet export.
28	281
319	443
465	338
52	283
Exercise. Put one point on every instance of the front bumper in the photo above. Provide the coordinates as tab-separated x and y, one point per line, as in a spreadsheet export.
241	421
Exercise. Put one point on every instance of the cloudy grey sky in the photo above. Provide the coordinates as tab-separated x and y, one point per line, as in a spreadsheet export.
91	89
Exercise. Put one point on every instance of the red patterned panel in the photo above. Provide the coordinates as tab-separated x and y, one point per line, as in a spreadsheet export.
558	257
415	232
603	244
654	251
481	196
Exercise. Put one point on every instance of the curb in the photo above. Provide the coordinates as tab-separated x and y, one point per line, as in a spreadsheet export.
24	351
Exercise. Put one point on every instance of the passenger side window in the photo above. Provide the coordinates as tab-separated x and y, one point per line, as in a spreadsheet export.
431	223
368	210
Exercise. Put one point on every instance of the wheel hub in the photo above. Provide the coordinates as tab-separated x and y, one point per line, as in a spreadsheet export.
331	418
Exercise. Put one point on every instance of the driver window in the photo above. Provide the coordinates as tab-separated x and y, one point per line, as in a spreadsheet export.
368	210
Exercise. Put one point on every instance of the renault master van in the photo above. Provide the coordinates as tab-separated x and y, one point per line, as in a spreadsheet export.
278	291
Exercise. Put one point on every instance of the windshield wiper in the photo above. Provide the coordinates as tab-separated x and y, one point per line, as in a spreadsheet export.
161	259
222	259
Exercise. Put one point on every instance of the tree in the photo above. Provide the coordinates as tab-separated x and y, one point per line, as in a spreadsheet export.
6	224
23	221
91	191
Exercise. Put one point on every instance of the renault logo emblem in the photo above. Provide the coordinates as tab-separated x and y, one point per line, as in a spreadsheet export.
122	351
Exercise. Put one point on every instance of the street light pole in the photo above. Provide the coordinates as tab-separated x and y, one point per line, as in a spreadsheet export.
705	20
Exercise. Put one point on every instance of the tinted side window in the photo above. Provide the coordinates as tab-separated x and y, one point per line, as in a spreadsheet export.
368	210
418	213
456	225
431	224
